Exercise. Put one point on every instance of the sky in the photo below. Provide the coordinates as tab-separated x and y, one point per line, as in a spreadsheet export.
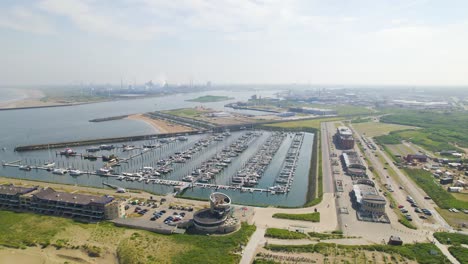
369	42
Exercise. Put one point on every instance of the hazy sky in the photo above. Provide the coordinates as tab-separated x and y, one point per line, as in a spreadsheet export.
332	42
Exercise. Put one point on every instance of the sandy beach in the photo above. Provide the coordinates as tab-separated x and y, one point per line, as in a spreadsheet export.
160	125
30	98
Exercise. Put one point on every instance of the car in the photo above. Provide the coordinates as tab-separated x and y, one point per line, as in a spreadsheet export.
182	214
403	210
401	187
423	217
417	210
409	218
427	212
163	211
414	205
175	213
427	197
190	209
153	218
401	206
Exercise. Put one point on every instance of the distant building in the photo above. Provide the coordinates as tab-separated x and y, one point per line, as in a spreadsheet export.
48	201
313	111
455	189
286	114
416	157
446	180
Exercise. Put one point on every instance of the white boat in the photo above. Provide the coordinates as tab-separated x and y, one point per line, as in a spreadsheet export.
103	171
25	167
59	171
128	148
188	178
75	172
49	164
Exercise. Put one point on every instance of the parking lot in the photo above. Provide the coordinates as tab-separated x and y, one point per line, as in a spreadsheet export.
159	212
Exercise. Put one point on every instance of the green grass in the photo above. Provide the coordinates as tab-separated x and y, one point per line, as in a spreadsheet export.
311	217
20	230
421	252
23	229
460	253
372	129
455	238
440	129
284	234
213	249
210	98
184	112
439	195
323	236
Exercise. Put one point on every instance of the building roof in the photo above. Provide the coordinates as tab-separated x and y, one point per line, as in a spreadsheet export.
10	189
351	158
344	131
75	198
363	190
373	198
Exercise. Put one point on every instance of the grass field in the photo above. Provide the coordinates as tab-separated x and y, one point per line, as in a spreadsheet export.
324	236
420	252
461	196
210	99
455	238
284	234
400	149
460	253
311	217
310	123
373	129
20	230
184	112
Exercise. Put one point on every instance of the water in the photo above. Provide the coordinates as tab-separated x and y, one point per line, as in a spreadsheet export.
37	126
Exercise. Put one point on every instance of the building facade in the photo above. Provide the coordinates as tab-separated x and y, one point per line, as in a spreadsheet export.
344	138
50	202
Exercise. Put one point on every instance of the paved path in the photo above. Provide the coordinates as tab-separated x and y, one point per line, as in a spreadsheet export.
444	250
257	239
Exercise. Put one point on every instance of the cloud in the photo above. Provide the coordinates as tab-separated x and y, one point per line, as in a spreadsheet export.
26	20
90	18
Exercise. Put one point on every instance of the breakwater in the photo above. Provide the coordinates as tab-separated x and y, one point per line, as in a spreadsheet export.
108	118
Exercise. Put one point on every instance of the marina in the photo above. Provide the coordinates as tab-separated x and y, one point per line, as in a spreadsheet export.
203	176
80	167
194	164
